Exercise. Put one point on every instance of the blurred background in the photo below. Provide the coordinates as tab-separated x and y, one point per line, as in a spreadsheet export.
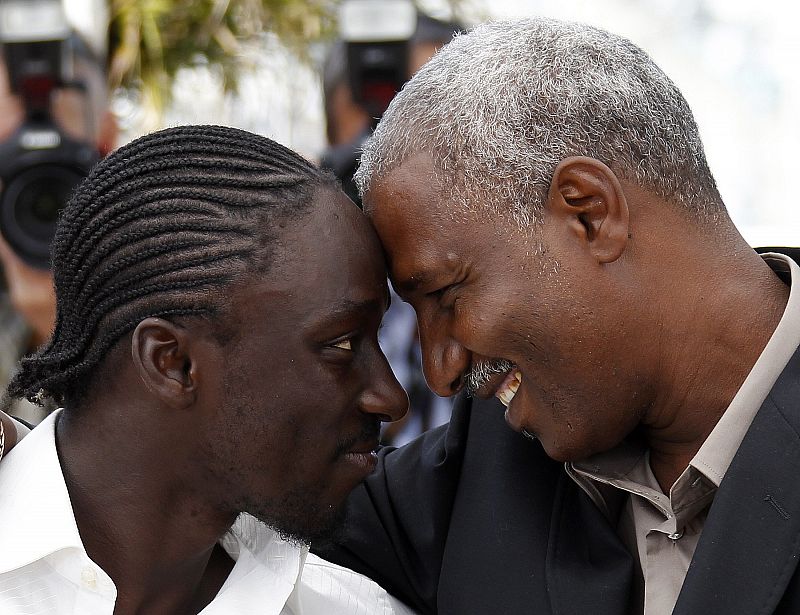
316	74
736	62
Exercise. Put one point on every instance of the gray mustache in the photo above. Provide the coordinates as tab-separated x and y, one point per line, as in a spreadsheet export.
480	373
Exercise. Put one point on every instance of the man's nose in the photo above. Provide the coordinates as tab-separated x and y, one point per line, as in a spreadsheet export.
384	396
444	360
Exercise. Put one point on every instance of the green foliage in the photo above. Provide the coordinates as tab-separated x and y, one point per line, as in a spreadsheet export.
151	40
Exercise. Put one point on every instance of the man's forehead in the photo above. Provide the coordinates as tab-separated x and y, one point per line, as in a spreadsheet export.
330	241
417	247
413	178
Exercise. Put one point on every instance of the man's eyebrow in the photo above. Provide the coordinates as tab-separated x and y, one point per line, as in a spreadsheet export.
355	305
347	307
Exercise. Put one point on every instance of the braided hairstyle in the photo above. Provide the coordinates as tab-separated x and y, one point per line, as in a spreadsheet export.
160	228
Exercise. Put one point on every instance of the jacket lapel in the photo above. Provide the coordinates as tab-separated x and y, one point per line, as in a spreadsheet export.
588	568
523	538
750	544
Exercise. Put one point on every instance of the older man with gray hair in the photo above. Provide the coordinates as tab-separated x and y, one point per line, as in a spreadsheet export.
542	194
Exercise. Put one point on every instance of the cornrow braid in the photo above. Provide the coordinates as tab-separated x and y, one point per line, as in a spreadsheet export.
160	228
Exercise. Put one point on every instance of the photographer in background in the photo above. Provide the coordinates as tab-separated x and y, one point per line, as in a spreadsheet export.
358	80
54	123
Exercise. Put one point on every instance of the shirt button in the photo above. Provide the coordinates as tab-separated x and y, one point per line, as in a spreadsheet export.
675	536
89	578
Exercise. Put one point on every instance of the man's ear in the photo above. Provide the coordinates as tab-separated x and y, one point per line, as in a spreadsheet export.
162	354
587	195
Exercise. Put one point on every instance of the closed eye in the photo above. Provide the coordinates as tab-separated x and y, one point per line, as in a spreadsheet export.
446	295
438	292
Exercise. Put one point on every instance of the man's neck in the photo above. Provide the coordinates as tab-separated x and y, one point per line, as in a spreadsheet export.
708	357
156	540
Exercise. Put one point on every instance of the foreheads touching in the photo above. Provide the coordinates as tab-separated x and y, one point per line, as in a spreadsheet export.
499	108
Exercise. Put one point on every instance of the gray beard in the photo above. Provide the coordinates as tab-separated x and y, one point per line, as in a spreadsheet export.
480	373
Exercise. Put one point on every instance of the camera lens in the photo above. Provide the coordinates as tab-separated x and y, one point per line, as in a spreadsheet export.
39	202
45	205
29	212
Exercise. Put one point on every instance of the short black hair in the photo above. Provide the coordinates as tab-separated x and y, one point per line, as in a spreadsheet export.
161	228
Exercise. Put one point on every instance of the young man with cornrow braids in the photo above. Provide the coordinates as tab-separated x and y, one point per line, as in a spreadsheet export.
215	354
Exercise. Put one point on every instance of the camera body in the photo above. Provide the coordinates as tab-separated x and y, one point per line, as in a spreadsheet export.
39	169
377	34
382	43
40	165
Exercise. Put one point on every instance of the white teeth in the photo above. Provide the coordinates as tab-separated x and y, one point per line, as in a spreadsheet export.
509	388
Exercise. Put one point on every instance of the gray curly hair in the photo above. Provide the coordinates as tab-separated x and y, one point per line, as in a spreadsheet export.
497	109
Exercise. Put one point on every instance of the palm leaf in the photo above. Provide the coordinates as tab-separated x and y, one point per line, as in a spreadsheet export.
151	40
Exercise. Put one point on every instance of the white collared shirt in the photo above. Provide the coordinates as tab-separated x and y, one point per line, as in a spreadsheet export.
44	567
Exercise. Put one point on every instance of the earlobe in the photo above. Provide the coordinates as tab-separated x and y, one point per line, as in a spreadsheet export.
162	357
588	196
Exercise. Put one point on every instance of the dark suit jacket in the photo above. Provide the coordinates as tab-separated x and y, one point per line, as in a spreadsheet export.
472	518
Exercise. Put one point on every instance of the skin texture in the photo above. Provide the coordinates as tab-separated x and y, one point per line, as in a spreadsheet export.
260	419
10	432
317	331
31	289
602	308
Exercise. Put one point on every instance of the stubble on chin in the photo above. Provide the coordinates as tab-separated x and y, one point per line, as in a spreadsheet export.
302	520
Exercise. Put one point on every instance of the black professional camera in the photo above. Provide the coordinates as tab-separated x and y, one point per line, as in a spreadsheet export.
374	57
40	165
377	34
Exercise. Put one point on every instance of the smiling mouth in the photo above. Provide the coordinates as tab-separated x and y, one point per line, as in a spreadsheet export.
495	378
483	378
509	387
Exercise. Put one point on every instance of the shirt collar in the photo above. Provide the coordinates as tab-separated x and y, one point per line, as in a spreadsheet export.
37	521
36	517
616	466
717	452
266	572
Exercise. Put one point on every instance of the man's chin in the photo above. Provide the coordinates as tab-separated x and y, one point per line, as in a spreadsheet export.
311	526
567	451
